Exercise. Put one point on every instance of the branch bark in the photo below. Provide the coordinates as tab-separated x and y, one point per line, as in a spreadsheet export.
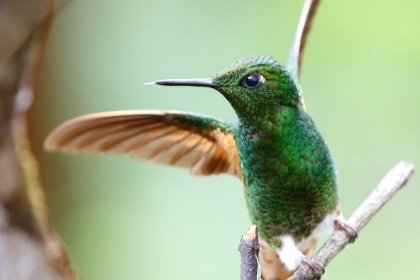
393	181
248	248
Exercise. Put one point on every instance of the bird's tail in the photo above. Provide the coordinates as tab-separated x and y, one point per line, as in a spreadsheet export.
271	266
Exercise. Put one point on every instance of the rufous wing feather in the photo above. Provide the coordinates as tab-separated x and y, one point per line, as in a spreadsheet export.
204	144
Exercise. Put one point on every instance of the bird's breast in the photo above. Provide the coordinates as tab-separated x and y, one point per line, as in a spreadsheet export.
289	178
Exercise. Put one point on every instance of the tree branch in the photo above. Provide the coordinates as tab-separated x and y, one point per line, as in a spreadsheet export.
248	248
296	51
394	180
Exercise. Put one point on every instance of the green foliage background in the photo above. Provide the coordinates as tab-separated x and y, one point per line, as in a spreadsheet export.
122	219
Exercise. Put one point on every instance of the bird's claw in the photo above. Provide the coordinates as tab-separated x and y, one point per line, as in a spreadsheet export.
350	231
316	267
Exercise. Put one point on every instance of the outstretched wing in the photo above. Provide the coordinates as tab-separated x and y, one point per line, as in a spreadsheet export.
204	144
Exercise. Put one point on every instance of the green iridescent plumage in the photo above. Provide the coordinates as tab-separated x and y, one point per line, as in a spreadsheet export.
288	170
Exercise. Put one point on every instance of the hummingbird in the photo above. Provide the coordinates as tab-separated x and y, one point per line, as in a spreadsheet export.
275	149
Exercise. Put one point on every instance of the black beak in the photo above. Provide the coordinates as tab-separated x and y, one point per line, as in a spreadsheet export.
186	82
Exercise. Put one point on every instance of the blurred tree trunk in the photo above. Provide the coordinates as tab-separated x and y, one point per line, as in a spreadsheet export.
29	247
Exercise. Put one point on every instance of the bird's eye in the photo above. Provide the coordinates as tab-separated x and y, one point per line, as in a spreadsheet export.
253	80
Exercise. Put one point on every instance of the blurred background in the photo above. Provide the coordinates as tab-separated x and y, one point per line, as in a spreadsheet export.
123	219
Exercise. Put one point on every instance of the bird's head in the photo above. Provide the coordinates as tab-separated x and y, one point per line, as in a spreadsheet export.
255	86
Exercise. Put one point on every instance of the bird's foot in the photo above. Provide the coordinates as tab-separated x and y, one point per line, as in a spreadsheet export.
350	231
316	267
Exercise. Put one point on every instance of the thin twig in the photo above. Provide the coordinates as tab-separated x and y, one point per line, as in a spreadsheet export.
394	180
248	249
302	31
296	51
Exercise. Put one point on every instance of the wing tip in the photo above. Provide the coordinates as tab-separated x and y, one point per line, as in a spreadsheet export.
50	144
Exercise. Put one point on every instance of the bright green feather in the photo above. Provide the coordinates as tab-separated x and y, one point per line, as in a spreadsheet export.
288	169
